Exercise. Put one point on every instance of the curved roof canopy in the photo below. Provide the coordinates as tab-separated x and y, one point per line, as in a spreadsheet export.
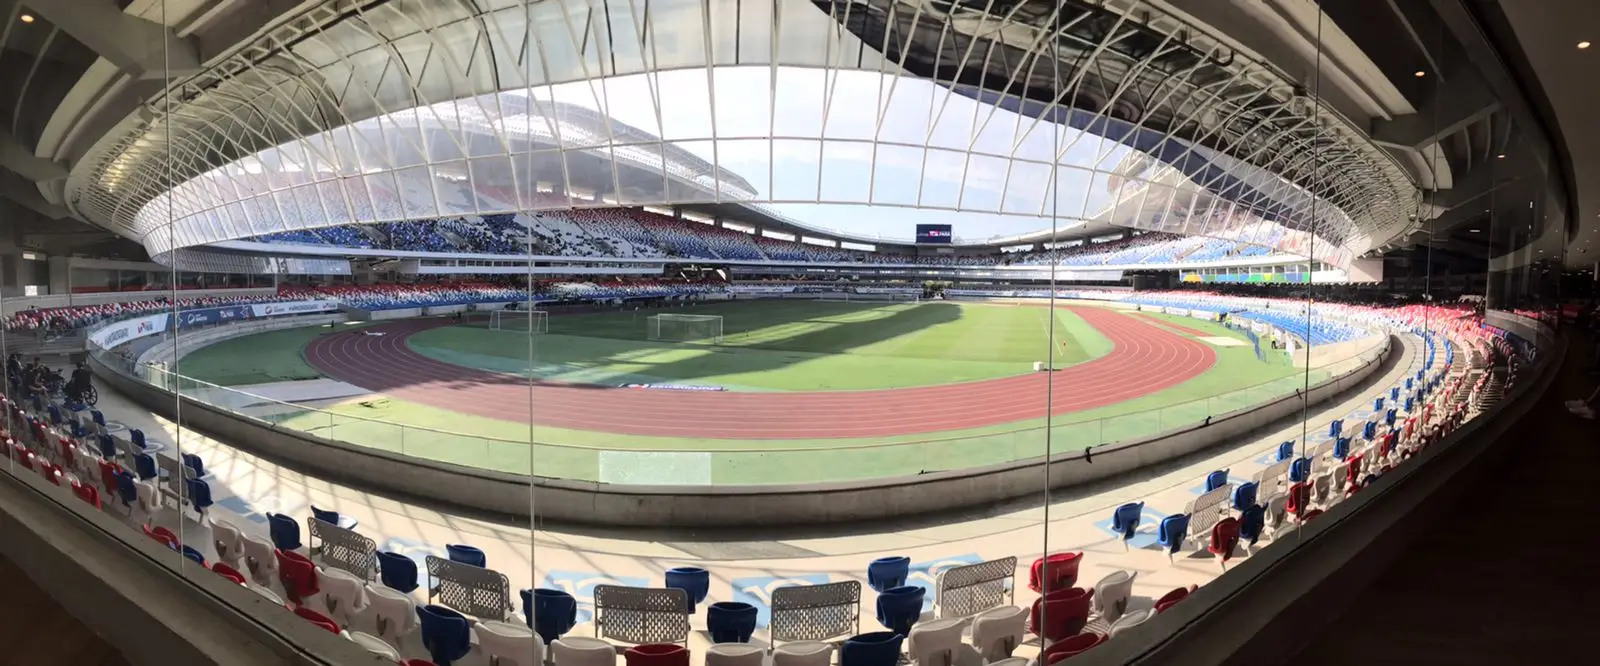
350	112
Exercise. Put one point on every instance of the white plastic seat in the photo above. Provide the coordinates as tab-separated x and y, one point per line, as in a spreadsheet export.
935	643
583	651
343	594
1011	661
803	653
998	631
394	612
149	498
259	560
509	644
735	654
1111	595
228	542
1131	620
374	645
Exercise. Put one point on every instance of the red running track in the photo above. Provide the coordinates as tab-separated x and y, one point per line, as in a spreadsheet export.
1143	359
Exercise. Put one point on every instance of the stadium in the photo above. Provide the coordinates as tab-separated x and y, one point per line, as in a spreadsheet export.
585	333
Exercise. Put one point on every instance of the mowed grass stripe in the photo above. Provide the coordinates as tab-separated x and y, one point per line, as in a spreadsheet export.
777	345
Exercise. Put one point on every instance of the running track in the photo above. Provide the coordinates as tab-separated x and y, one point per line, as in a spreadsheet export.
1144	359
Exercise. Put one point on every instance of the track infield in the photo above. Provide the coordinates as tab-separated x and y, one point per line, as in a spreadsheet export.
813	391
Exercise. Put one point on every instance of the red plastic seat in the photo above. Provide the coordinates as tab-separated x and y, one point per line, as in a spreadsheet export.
318	619
657	654
1299	498
1224	538
1071	646
1311	514
298	576
1060	614
418	662
1170	598
228	572
108	477
162	534
1054	572
89	494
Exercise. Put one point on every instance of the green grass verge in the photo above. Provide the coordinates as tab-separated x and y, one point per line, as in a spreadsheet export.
274	356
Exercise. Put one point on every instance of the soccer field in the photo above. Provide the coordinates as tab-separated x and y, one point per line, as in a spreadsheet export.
774	345
768	346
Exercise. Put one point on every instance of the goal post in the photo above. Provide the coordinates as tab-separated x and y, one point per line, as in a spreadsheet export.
704	329
523	321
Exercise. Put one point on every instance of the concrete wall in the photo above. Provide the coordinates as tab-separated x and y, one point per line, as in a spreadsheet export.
380	315
724	506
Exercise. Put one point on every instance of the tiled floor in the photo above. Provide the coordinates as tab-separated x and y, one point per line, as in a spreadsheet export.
34	629
1507	578
749	565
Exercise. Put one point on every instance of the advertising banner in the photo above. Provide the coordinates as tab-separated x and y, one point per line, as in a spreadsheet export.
292	307
131	329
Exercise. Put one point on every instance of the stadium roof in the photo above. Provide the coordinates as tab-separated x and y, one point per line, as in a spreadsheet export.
162	92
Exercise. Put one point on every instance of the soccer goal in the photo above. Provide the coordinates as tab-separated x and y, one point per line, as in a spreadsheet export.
524	321
705	329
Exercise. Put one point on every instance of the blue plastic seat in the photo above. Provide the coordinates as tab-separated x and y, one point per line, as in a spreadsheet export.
1244	495
446	634
1251	522
554	613
285	531
199	495
1370	431
397	571
886	573
694	581
466	555
1336	427
97	416
55	414
137	437
1216	480
126	490
1172	532
731	621
145	466
878	648
1341	446
191	553
192	461
900	607
1286	450
108	447
1125	520
1300	470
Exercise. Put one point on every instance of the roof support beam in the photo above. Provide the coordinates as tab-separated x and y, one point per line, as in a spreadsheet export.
1460	102
143	49
16	158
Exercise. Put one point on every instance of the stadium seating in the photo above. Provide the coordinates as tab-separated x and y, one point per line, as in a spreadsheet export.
293	572
83	316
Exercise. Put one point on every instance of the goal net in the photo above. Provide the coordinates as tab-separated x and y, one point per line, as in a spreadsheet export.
705	329
526	321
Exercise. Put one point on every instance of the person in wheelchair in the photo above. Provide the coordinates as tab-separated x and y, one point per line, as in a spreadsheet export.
78	387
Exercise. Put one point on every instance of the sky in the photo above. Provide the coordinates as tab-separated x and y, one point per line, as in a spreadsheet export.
897	141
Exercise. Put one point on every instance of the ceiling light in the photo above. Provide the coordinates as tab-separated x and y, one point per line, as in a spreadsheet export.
1500	156
1420	74
28	18
1583	45
1472	231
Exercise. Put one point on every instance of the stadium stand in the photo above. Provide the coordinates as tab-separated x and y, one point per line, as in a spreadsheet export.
633	233
358	587
82	316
